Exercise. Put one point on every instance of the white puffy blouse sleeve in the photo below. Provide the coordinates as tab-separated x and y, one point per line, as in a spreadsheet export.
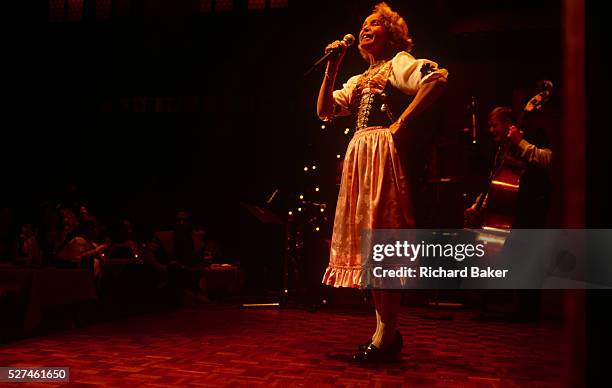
342	97
409	74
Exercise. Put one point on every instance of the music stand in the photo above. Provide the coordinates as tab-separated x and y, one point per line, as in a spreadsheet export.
264	215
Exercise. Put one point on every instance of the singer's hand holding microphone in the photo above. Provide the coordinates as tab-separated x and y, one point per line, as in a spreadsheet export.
337	49
334	52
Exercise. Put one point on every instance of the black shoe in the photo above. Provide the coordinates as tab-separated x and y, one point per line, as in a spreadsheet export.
374	354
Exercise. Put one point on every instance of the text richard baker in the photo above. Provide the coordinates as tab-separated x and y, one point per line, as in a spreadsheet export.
430	272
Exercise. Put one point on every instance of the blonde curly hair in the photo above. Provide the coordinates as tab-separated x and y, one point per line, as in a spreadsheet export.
396	28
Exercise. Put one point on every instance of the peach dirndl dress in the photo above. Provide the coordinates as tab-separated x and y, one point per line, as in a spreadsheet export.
374	191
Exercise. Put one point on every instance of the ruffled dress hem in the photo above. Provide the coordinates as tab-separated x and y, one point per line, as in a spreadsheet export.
351	277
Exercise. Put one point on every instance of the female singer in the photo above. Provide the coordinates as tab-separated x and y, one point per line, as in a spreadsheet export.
374	190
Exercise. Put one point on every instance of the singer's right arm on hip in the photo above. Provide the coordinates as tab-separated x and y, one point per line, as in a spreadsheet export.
325	101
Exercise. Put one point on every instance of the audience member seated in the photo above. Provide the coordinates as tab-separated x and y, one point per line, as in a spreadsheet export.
178	258
59	228
27	250
212	252
124	245
83	250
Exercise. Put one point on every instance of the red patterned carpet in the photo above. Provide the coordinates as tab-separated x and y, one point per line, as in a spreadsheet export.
221	345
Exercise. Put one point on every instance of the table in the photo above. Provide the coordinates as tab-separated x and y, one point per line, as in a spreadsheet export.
48	288
223	277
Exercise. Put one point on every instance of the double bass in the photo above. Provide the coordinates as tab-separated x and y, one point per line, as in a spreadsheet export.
501	196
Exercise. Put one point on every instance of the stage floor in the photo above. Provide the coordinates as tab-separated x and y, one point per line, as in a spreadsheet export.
222	345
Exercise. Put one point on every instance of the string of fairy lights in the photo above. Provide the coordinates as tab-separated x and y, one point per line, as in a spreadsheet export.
311	207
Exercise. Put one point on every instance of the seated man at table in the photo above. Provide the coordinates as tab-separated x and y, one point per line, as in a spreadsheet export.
213	254
178	258
124	245
27	250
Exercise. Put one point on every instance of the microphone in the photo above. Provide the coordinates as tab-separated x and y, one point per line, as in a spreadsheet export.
269	201
348	40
